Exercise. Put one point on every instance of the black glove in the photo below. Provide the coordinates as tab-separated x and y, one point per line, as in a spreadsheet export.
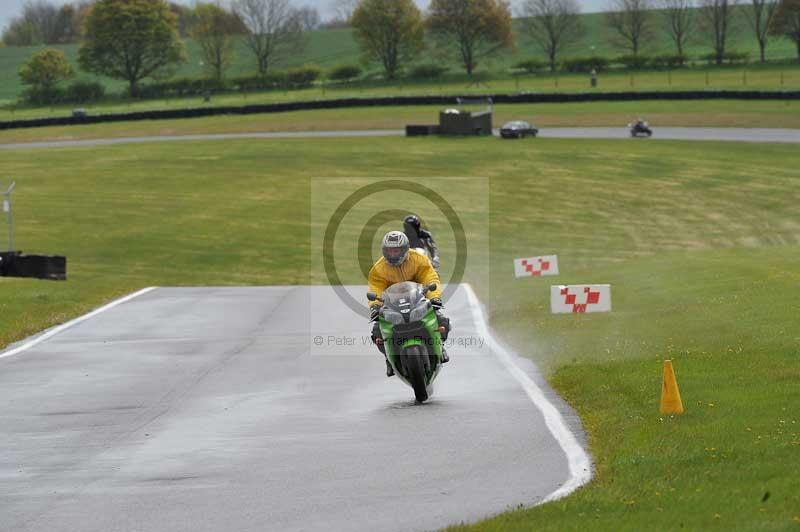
444	321
437	303
374	312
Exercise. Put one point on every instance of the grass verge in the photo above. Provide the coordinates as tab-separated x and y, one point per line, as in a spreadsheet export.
699	241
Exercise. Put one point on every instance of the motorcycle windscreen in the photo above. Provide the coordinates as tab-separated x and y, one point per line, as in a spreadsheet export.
405	294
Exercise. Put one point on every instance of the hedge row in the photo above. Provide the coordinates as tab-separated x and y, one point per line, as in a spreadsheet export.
293	78
630	62
400	101
78	92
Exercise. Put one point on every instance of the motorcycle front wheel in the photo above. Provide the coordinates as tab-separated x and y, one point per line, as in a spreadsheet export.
414	363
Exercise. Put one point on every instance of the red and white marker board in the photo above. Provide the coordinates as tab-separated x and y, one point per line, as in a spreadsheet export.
536	266
580	298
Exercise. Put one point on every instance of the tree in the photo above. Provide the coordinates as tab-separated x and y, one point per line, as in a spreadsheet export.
21	33
388	31
46	69
274	30
678	17
630	19
553	24
130	40
759	14
716	17
786	22
43	72
214	30
475	28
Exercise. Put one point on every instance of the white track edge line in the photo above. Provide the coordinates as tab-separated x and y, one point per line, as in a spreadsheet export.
580	466
67	325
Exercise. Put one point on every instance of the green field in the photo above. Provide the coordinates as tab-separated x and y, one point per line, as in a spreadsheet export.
329	48
699	240
710	113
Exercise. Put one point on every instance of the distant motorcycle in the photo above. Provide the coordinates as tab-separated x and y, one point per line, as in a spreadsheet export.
416	243
411	335
640	128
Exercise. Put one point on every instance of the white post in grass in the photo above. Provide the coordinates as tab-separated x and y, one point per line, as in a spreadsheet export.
9	214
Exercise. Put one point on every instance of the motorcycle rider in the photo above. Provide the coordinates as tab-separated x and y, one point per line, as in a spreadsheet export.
421	238
401	263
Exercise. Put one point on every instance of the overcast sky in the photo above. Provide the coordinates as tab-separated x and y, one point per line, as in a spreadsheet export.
11	8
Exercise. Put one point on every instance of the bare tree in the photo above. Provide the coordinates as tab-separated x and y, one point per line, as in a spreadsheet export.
274	32
631	20
759	14
309	17
185	17
42	22
44	17
786	22
553	25
213	30
344	9
717	18
678	18
20	33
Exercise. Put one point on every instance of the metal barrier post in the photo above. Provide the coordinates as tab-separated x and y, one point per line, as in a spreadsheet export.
9	214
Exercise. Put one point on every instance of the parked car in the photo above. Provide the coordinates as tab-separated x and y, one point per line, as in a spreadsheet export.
640	128
518	129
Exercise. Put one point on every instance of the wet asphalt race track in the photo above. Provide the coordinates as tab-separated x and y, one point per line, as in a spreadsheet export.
207	409
664	133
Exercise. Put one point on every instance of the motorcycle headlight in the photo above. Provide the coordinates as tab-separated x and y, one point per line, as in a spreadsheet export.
419	311
395	318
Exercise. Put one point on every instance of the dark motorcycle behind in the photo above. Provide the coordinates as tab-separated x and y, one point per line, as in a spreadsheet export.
640	129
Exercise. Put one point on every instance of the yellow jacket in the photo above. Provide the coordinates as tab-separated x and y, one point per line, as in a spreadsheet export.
417	267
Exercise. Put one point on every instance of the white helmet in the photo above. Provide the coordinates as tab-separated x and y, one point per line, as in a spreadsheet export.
395	247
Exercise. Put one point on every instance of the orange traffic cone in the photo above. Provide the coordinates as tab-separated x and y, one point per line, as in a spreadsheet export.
670	395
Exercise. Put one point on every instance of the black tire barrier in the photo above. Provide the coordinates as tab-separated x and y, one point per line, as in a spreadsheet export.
5	262
421	131
17	264
399	101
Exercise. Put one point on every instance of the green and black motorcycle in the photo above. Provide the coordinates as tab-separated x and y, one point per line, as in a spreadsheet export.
411	335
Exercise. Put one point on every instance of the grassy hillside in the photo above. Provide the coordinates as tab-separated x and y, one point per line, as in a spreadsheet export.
328	48
700	242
